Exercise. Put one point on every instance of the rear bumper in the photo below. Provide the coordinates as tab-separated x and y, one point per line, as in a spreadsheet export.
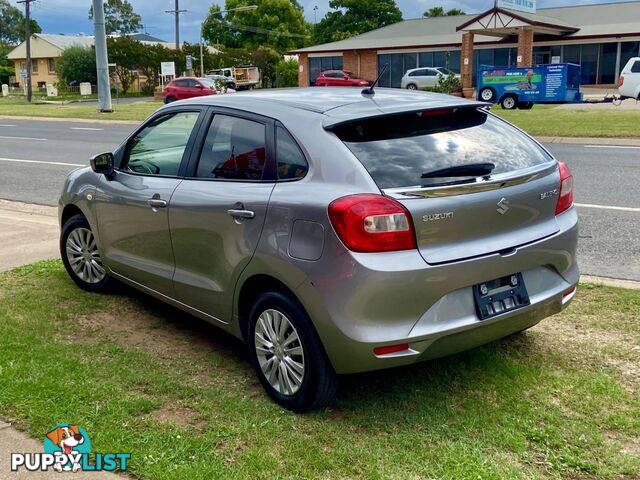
395	298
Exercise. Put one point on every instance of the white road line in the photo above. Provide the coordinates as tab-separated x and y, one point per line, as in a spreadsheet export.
6	125
607	207
610	146
25	138
87	128
17	160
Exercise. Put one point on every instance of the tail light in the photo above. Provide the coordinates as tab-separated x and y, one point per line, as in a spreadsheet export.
565	199
372	223
621	81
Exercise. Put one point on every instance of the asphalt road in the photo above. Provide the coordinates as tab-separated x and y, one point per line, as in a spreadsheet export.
35	157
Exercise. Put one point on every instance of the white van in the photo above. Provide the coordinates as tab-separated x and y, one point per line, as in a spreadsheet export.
629	82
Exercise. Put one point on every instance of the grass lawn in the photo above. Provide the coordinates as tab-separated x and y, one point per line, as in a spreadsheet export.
17	107
550	121
559	401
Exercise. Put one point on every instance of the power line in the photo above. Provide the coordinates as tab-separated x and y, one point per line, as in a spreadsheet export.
27	34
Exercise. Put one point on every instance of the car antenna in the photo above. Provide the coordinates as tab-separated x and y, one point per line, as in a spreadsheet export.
368	92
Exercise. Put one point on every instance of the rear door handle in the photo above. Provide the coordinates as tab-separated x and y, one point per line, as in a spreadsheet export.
241	213
157	203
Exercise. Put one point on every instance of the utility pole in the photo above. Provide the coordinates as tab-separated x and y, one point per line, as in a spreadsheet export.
102	62
176	11
27	34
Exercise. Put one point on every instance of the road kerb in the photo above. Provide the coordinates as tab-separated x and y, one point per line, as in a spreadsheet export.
610	282
623	142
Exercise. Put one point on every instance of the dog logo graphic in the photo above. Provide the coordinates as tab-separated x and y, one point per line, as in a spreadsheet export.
72	442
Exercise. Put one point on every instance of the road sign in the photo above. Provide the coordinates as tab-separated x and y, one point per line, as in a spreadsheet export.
168	69
521	5
23	73
189	62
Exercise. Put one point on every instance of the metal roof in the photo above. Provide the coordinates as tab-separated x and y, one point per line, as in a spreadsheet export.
605	19
65	41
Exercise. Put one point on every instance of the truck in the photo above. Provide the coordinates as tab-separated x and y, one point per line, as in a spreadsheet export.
244	78
522	87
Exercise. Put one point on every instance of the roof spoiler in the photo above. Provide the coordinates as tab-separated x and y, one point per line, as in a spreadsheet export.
333	121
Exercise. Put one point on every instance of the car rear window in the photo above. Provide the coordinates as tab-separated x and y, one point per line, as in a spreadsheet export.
398	150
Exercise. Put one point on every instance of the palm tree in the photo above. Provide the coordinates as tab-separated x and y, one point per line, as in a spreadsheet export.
439	12
434	12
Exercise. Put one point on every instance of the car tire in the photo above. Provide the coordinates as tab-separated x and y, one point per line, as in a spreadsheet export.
80	255
525	105
509	102
487	95
291	365
412	86
169	99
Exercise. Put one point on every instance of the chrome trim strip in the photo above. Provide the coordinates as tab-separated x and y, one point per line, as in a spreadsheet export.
480	185
172	301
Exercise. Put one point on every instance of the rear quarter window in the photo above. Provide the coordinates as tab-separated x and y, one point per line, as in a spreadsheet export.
398	150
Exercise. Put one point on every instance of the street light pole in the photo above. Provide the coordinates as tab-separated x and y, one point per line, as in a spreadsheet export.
238	9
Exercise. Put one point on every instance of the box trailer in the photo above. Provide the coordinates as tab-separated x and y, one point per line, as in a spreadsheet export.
522	87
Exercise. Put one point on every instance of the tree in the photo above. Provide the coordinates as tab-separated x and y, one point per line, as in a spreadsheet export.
439	12
77	64
353	17
276	24
126	53
119	17
266	59
12	24
287	73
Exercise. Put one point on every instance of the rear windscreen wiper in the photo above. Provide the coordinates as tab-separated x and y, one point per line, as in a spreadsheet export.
468	170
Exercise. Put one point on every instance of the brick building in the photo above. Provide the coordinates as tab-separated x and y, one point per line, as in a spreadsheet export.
601	38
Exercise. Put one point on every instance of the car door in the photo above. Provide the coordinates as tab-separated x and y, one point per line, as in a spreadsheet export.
132	206
430	78
218	211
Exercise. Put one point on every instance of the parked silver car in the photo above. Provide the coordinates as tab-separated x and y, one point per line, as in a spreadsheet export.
333	231
419	78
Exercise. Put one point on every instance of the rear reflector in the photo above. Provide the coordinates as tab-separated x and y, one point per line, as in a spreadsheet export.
391	349
568	295
565	199
621	81
372	223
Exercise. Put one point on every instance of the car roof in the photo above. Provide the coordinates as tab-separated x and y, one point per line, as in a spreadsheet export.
337	104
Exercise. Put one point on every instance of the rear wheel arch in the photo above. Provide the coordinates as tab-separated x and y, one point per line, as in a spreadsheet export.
250	290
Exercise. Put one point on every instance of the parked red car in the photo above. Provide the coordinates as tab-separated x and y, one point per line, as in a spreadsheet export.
188	87
340	78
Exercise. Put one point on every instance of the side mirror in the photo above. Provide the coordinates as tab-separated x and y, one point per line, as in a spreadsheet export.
103	163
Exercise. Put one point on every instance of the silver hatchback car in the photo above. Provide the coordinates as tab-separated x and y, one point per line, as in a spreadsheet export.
333	231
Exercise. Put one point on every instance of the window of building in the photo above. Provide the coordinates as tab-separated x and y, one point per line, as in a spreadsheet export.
628	50
235	149
317	65
607	63
589	63
52	65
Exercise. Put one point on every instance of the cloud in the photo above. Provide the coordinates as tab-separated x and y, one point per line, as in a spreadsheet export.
65	16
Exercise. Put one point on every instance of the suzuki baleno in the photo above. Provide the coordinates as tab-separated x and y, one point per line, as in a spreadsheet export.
334	231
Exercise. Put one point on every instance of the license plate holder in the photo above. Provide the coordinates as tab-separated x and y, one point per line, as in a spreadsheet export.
500	295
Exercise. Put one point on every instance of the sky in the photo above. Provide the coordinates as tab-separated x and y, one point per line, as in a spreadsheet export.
70	16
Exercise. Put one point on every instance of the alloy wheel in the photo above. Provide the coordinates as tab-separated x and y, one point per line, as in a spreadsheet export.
83	256
280	352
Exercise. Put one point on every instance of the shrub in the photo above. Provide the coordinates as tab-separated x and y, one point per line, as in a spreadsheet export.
287	73
77	64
